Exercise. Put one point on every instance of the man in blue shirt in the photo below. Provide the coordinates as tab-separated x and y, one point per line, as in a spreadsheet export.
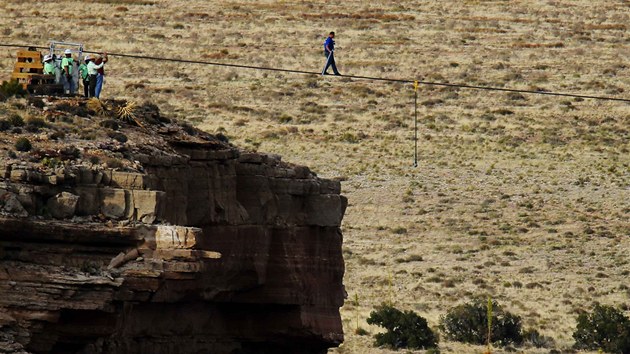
329	50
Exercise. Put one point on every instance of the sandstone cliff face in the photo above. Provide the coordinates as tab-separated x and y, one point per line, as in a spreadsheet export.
200	248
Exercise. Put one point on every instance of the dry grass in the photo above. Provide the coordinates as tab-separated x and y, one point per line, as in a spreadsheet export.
524	198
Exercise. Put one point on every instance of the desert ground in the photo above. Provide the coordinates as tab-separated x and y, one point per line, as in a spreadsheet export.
524	198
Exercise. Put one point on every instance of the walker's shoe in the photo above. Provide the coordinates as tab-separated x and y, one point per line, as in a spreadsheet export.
338	74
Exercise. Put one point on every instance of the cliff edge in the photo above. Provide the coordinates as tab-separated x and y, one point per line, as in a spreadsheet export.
122	231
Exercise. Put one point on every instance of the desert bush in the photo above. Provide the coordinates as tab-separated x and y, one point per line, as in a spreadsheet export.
114	163
51	162
189	129
11	88
16	120
404	329
36	102
399	230
70	152
605	328
23	144
110	124
120	137
95	160
468	323
285	118
95	106
349	138
4	125
57	135
361	332
534	338
35	122
222	137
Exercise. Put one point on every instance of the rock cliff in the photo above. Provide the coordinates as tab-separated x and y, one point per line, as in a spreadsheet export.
148	236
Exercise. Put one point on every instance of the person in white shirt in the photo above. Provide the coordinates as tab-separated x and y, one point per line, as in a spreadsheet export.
93	67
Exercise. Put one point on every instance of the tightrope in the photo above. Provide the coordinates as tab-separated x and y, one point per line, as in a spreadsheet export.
357	77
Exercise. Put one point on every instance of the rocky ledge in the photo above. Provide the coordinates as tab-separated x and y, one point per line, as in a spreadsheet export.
122	231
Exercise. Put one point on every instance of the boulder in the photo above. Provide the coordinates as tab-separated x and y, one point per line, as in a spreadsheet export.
10	204
63	205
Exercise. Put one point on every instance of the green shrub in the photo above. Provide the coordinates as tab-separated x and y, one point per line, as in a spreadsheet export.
16	120
606	328
399	230
120	137
361	332
538	340
110	124
222	137
23	144
114	163
4	125
36	122
11	88
349	138
468	323
57	135
285	118
70	152
51	162
404	329
36	102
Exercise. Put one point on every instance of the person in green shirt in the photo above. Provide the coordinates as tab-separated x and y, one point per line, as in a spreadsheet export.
83	71
67	64
49	67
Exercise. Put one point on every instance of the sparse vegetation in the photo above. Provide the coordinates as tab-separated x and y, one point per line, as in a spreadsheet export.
114	163
16	120
110	124
36	122
404	329
468	323
120	137
23	144
11	88
534	338
605	328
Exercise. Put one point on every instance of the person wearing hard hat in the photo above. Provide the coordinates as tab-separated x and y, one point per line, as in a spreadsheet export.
67	64
93	67
85	77
49	67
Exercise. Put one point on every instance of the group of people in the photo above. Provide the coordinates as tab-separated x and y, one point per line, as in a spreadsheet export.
91	72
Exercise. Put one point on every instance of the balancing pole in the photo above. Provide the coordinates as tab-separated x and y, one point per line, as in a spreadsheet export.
415	123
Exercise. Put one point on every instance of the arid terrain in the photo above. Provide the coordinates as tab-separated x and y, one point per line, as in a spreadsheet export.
524	198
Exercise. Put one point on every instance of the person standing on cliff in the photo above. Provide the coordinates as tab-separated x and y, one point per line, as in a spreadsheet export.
85	76
100	76
329	50
49	67
67	66
93	67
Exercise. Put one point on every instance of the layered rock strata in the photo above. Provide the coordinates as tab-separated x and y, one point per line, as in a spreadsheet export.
205	250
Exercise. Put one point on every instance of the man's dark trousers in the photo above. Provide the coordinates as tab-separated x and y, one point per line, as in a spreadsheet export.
330	62
86	87
92	90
